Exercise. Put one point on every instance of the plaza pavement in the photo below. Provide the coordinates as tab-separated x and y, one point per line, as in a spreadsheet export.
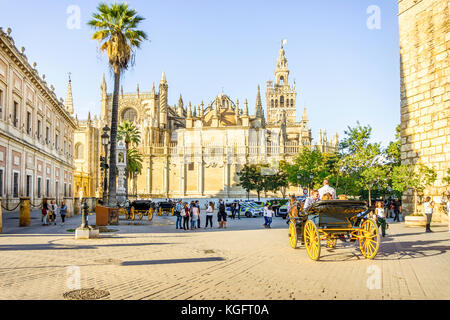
152	260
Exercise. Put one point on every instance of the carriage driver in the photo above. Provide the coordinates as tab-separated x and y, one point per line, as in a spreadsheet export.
310	200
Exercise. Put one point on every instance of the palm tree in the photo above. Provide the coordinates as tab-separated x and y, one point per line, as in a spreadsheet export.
134	163
115	30
130	134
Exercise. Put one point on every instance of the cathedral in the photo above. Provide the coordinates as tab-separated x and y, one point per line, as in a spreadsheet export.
194	151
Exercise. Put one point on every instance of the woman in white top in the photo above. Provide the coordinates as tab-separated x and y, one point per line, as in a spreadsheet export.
209	214
428	208
381	217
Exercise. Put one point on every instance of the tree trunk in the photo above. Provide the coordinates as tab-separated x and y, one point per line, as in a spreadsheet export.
258	195
112	199
370	200
415	201
126	170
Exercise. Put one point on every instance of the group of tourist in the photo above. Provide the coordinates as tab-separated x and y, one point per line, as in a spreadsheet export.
50	211
189	215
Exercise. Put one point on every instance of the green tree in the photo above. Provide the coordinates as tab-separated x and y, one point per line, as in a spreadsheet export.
128	132
416	177
306	163
393	150
360	159
116	31
375	176
134	163
250	178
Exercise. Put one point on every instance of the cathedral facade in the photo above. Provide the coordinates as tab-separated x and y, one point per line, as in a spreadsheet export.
196	151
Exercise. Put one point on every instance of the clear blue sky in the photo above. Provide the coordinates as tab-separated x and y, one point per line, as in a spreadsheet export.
344	71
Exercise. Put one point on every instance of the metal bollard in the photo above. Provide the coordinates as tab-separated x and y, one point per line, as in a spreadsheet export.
24	217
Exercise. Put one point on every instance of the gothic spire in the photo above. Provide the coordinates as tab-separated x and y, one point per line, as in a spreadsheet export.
69	98
258	104
246	107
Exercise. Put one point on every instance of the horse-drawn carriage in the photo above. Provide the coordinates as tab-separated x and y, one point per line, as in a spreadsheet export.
333	219
138	208
166	208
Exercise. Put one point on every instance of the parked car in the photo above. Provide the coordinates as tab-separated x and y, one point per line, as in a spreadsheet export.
283	211
250	211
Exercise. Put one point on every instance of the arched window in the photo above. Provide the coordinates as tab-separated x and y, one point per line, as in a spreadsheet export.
281	101
292	102
79	151
272	103
129	115
281	80
276	103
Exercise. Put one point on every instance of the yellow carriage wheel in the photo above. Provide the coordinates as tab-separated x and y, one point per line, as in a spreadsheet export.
331	242
150	214
159	212
369	239
132	213
140	214
293	235
312	240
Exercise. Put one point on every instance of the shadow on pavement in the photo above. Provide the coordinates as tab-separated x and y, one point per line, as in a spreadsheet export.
18	247
170	261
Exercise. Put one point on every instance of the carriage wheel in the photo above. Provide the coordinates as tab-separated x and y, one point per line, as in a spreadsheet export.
331	242
172	212
312	240
140	214
132	213
159	212
369	241
293	235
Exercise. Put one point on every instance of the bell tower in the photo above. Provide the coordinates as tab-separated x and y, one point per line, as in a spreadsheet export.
280	97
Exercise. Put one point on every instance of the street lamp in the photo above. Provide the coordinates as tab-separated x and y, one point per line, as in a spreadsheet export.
299	176
311	176
104	160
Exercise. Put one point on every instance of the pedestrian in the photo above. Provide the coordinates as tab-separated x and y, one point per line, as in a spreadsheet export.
195	216
391	208
63	212
233	210
52	213
269	216
186	216
209	214
178	209
239	209
428	208
222	215
197	203
381	216
45	212
327	189
397	211
266	208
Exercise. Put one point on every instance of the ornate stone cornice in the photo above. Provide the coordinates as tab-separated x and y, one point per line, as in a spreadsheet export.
19	58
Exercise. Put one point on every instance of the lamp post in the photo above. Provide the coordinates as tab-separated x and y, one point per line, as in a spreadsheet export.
299	176
311	176
104	164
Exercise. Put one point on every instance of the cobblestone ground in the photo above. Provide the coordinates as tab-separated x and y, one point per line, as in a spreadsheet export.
152	260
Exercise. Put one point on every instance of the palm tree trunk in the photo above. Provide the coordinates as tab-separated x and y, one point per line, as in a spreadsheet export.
112	199
126	172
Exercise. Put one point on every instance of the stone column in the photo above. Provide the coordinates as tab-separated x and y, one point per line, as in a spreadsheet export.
76	206
69	204
24	217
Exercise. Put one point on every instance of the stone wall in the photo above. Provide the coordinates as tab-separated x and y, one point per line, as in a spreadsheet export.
424	57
